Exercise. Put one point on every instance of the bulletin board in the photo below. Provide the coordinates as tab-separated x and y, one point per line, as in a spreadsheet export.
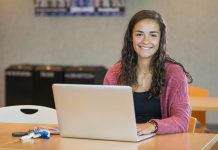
79	7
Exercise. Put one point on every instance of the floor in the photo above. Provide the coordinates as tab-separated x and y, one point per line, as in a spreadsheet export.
212	128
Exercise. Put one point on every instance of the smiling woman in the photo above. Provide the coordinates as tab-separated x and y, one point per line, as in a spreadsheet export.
146	38
159	83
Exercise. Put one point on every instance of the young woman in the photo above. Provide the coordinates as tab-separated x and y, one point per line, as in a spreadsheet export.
159	83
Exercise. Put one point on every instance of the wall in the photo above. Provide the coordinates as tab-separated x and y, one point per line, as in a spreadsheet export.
192	38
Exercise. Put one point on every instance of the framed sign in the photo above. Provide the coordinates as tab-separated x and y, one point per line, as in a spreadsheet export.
79	7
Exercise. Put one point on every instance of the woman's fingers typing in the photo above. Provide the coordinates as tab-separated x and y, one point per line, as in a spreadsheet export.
145	128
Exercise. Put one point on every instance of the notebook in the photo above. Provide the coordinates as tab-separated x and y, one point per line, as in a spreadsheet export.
96	112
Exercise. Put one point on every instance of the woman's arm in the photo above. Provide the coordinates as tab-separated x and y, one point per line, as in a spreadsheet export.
174	103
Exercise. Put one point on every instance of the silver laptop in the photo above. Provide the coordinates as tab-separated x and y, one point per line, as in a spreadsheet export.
96	112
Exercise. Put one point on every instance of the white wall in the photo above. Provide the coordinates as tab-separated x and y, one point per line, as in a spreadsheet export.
192	38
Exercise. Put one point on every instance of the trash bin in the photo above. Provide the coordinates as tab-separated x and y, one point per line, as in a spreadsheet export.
19	84
84	74
45	76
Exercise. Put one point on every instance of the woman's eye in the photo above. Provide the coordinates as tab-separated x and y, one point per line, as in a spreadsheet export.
138	34
154	35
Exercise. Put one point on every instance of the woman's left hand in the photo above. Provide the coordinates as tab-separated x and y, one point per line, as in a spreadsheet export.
145	128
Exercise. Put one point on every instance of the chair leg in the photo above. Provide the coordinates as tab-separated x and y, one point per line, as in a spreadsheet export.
201	117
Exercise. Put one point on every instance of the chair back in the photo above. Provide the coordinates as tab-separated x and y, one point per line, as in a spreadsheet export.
192	124
28	114
195	91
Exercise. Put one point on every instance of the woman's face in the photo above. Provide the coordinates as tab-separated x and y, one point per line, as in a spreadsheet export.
146	38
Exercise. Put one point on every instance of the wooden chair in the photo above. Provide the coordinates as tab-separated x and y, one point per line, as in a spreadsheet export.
195	91
192	124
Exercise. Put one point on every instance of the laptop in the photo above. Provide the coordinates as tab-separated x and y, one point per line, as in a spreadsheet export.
96	112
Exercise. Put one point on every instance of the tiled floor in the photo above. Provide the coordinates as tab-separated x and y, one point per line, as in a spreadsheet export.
212	128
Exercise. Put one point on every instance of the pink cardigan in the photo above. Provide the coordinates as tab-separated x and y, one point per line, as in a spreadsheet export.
174	100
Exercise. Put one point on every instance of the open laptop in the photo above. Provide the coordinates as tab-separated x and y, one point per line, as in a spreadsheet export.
96	112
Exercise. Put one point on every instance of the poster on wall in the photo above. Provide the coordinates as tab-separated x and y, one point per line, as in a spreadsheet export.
79	7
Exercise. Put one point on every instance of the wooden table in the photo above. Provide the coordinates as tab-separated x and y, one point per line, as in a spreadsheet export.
204	103
181	141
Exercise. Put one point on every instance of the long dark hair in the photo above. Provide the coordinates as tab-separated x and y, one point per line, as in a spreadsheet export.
129	57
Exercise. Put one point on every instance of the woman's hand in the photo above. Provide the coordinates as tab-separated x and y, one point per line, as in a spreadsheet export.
145	128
